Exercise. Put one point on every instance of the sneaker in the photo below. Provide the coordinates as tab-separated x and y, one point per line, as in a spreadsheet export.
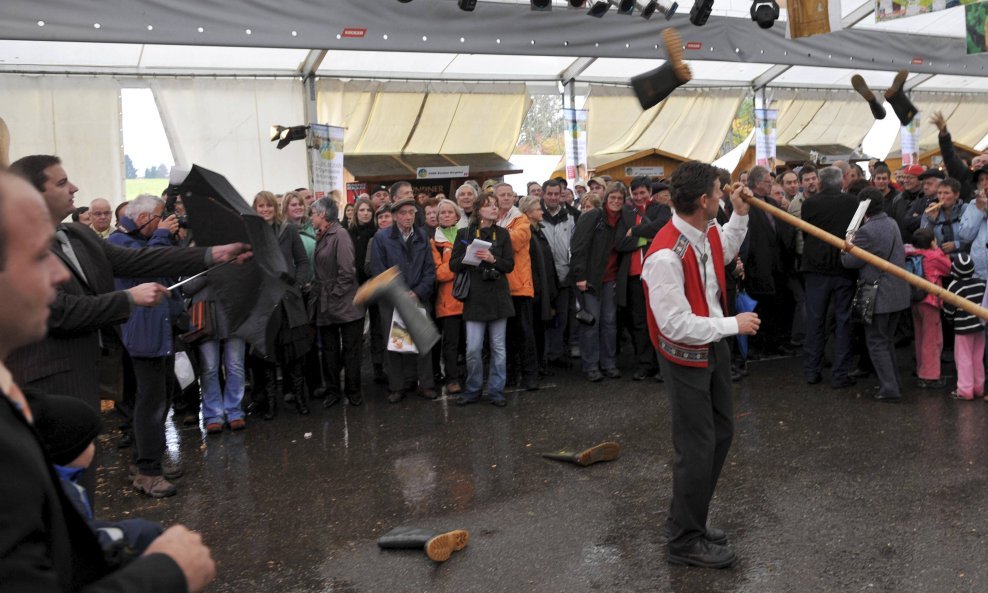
171	470
612	373
154	486
956	395
931	383
427	393
594	376
453	388
238	424
215	428
395	397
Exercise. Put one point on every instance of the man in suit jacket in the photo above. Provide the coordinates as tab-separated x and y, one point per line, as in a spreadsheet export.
45	545
87	306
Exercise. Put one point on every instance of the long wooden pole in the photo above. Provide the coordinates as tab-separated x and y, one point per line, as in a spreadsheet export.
871	259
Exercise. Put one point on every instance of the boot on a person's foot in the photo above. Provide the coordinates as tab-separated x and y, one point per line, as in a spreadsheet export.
608	451
901	105
438	545
859	84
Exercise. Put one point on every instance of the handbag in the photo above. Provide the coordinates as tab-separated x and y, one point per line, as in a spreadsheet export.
201	323
461	285
863	304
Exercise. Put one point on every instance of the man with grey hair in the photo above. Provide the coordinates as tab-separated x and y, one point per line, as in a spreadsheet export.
827	280
101	217
147	336
771	251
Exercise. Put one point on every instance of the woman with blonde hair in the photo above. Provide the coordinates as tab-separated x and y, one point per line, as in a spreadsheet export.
449	311
292	340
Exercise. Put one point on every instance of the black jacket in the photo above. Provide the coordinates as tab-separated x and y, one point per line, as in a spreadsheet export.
543	273
770	252
955	166
489	299
654	218
361	235
590	248
831	211
46	546
903	213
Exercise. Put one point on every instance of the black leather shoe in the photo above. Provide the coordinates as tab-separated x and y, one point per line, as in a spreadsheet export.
704	554
126	440
499	403
859	374
594	376
888	399
466	401
330	400
640	375
716	536
843	384
612	373
814	379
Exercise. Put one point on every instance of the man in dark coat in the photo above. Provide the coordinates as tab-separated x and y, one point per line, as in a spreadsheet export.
45	544
771	252
88	306
404	245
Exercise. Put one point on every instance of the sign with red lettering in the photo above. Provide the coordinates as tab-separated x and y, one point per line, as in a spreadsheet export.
694	45
917	61
354	33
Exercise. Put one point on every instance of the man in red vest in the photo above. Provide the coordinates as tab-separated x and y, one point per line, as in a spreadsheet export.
683	277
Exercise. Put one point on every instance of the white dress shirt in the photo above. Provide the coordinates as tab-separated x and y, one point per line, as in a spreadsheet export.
663	273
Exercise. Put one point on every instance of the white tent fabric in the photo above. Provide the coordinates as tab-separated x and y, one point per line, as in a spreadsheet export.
814	117
965	119
77	119
424	118
616	124
224	125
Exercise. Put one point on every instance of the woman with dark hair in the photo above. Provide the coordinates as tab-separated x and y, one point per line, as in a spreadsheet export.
290	320
362	230
594	269
880	235
544	282
340	321
488	305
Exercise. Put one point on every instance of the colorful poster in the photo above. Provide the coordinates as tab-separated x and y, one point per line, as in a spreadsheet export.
765	120
812	17
976	19
910	142
576	145
353	191
326	160
399	338
887	10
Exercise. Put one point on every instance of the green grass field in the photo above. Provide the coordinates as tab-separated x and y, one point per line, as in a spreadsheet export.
136	187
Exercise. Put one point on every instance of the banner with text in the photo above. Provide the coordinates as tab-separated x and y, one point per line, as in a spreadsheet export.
765	120
326	158
575	138
442	172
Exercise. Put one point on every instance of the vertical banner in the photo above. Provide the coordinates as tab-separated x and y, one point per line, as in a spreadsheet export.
976	19
576	145
910	143
765	120
326	160
812	17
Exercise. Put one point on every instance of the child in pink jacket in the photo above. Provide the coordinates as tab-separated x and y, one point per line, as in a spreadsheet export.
926	313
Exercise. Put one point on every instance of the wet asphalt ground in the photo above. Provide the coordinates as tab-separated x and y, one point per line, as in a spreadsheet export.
824	490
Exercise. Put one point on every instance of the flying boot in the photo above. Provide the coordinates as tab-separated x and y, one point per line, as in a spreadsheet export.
438	545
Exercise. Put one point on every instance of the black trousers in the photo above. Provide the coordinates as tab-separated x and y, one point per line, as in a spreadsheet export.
522	356
644	351
880	337
341	351
452	328
702	429
154	377
405	371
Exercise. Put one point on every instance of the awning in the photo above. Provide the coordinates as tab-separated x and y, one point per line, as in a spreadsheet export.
393	167
825	153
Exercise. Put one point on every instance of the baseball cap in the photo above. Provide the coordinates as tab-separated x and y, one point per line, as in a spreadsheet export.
914	170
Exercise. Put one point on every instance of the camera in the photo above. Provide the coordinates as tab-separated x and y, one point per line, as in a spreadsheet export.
172	194
583	316
490	274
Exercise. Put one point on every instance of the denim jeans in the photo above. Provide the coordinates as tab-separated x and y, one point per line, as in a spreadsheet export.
598	342
217	403
475	359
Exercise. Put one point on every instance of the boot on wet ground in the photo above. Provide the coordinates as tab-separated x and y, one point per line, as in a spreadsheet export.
438	545
608	451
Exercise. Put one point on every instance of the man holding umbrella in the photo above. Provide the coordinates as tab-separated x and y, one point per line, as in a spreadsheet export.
88	309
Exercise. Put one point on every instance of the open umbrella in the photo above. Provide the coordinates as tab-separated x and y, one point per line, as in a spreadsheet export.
248	293
743	303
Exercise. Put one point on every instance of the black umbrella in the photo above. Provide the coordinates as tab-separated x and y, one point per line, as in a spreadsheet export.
248	293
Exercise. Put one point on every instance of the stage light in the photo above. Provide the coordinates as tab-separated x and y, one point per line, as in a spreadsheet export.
404	1
285	135
467	5
647	10
541	5
765	13
624	7
599	8
701	12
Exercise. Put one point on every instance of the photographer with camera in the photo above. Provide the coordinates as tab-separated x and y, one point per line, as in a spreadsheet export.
594	271
487	304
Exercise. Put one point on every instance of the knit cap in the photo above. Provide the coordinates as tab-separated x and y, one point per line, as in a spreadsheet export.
66	425
962	266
